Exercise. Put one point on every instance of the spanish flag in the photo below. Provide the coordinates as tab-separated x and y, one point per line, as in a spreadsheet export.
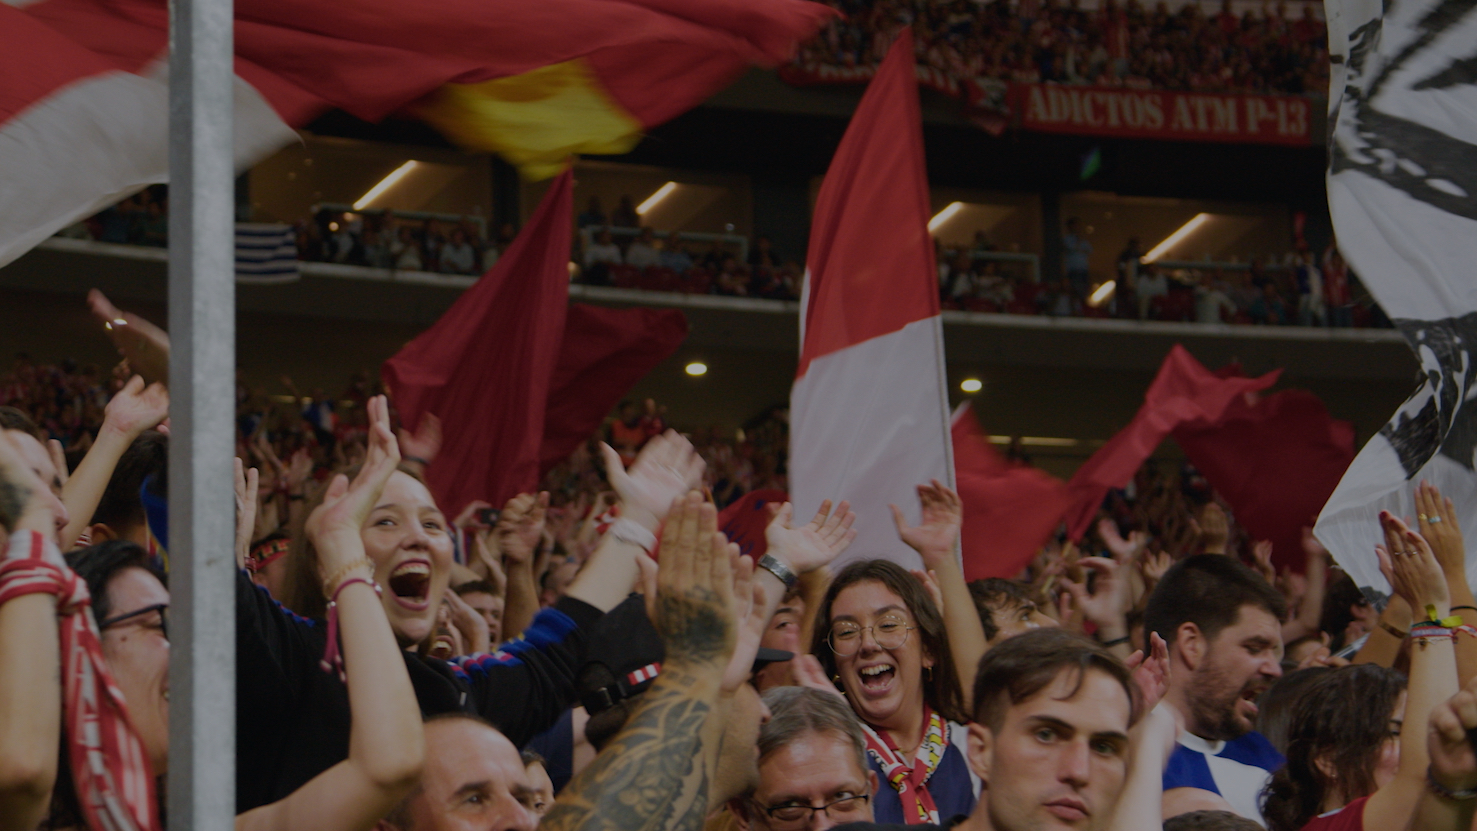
84	102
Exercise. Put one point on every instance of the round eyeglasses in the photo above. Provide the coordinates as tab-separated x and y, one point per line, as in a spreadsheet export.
889	631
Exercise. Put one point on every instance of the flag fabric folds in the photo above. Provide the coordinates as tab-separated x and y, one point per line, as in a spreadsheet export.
1275	461
868	409
84	97
603	354
485	367
1010	510
1402	190
266	252
1183	393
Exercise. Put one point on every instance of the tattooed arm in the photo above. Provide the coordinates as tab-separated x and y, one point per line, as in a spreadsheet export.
655	774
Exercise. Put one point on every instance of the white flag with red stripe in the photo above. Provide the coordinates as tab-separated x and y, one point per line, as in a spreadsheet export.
869	410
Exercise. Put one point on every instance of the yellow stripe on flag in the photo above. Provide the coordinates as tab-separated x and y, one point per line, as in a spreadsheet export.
536	120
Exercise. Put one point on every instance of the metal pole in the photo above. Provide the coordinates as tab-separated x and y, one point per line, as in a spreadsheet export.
202	323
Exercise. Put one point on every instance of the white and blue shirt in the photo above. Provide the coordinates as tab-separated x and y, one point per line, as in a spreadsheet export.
1238	769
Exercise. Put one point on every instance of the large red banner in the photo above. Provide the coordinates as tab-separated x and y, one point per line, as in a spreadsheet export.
995	104
1154	114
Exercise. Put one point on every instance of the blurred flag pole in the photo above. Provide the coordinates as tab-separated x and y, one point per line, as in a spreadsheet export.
202	325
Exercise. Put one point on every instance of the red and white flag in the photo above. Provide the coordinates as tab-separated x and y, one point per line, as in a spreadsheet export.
84	100
869	412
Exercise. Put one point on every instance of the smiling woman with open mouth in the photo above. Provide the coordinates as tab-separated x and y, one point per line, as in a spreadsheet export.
881	638
293	717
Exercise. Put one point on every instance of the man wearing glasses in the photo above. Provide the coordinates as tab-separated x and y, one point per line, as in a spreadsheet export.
812	766
131	606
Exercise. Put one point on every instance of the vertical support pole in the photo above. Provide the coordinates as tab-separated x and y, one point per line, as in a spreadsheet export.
202	323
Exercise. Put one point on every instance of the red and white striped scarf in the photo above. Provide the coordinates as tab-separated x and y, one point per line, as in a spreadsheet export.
115	787
911	781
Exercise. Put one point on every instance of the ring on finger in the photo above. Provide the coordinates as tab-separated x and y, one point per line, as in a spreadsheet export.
1422	517
1433	520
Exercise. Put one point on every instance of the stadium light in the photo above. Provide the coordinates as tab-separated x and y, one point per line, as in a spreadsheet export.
385	184
696	368
971	385
1101	295
1175	239
653	200
944	216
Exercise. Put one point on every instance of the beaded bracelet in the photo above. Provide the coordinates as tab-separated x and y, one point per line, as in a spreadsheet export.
332	585
332	658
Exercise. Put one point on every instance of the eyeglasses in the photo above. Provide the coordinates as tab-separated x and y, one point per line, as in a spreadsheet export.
890	632
161	608
794	815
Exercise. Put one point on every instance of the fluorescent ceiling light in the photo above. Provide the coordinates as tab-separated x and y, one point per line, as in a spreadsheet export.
651	201
384	184
1101	295
1175	239
944	216
697	368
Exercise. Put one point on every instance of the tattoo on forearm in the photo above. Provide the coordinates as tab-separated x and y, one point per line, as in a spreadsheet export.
650	777
694	626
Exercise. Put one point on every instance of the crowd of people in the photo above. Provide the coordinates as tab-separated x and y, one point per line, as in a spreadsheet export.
601	654
1271	51
1300	288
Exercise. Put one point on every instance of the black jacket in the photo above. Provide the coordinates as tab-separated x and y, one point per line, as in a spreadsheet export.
292	717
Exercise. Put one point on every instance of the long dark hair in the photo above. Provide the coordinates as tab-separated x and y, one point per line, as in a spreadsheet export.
941	692
302	587
1342	718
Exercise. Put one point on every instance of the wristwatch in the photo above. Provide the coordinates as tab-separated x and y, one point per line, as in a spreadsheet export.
778	568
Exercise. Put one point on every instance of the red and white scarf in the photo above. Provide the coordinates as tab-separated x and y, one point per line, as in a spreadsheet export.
115	787
911	781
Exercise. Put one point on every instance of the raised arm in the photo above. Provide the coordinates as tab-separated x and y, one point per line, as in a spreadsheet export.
654	775
1409	564
30	666
1437	521
936	539
520	526
667	467
133	410
1311	607
1450	798
386	743
1107	604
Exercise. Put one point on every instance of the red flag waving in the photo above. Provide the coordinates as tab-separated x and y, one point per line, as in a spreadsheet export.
604	353
1009	509
1275	461
868	410
1184	392
84	99
484	367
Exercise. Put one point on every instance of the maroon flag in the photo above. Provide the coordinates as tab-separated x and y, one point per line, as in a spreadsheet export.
603	354
869	408
485	367
1275	461
1184	392
745	521
1010	509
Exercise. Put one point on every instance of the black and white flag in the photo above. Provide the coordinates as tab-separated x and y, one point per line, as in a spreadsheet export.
1402	188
